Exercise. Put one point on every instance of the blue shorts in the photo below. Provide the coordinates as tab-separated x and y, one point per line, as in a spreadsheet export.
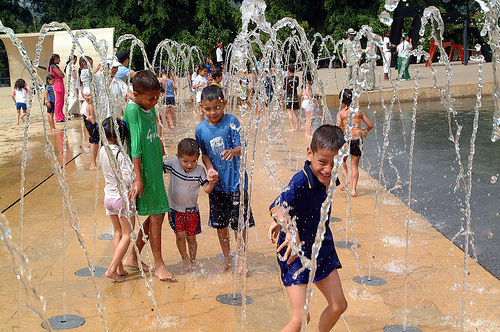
325	267
21	106
225	209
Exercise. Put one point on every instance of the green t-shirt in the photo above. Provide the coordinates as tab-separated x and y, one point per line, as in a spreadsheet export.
143	142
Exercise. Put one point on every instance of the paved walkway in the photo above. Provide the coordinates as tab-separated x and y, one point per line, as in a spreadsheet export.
424	279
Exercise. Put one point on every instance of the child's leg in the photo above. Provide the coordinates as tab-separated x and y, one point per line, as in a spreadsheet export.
290	118
18	115
331	287
94	148
223	234
241	248
180	240
111	272
52	122
297	116
343	167
192	246
132	260
354	174
155	241
297	296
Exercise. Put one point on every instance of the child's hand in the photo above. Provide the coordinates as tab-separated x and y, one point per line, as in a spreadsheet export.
289	251
91	119
137	187
227	154
44	103
274	230
212	175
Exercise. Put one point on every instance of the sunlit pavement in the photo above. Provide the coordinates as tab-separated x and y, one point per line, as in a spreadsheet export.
424	272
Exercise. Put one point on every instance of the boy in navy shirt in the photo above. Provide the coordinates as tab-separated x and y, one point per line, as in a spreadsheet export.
301	201
219	140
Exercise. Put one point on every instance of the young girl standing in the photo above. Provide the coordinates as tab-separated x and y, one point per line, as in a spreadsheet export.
307	101
116	208
49	100
20	96
356	142
58	86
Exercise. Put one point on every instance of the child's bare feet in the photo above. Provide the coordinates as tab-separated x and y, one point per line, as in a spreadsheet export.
131	263
115	276
189	265
353	193
93	167
224	266
163	274
120	270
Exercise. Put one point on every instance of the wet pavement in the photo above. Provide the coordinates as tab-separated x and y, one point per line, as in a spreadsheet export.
421	267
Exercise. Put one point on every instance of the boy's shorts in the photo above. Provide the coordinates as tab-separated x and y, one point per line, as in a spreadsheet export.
21	106
93	131
292	105
354	149
51	108
225	209
185	222
169	101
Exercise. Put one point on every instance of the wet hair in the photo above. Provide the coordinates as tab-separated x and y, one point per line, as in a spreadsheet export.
48	78
109	128
145	81
212	92
20	84
52	58
216	74
345	96
327	137
308	79
291	68
122	56
188	147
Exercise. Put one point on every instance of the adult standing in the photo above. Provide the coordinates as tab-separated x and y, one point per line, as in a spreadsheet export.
58	87
70	72
387	54
218	53
404	49
350	51
124	72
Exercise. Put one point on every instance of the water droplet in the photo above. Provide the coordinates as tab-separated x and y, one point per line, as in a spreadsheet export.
390	5
385	18
493	179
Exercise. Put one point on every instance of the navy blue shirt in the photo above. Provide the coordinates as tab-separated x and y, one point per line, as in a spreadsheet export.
304	196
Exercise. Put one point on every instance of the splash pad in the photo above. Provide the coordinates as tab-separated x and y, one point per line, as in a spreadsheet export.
430	283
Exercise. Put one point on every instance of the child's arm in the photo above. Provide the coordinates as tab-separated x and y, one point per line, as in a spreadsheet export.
137	184
46	98
14	96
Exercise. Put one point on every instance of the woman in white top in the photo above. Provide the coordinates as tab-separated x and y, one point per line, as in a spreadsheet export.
307	100
404	49
387	56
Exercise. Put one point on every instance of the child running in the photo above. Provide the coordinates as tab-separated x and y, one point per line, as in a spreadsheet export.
20	96
356	142
116	208
220	145
49	100
301	201
146	151
185	181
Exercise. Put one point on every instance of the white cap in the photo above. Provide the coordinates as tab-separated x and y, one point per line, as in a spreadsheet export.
113	61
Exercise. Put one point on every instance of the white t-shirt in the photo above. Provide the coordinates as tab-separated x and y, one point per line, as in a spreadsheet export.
199	80
404	49
21	95
184	187
219	54
111	184
386	41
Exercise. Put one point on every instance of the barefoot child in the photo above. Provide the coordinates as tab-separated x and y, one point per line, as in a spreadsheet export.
356	142
219	140
20	96
292	98
49	100
302	201
146	151
116	208
185	181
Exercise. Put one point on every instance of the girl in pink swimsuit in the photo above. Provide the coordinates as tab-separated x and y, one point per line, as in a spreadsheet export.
58	86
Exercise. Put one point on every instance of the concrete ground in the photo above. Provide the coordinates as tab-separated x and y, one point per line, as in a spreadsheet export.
424	272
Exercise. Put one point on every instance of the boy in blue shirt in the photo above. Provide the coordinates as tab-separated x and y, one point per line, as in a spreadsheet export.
219	140
301	201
